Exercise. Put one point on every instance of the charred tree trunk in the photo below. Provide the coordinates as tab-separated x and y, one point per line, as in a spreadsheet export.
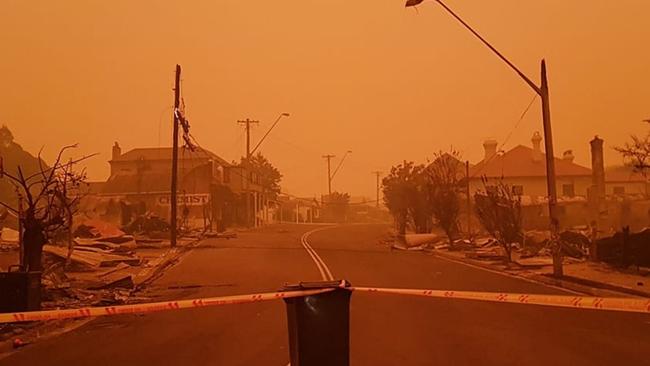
33	241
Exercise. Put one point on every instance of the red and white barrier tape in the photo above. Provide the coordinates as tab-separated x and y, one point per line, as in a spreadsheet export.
635	305
151	307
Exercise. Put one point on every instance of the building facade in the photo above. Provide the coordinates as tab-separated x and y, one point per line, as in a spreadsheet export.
209	189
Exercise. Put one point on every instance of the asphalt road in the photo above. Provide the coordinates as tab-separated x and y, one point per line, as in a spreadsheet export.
385	329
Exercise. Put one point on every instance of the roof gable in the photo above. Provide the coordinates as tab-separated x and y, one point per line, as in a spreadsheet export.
165	153
518	162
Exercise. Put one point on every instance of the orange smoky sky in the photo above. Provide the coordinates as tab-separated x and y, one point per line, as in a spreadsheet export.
370	76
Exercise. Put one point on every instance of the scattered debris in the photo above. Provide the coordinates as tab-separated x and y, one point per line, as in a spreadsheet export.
140	241
416	240
9	236
463	244
537	237
576	239
117	268
492	253
18	343
89	258
94	228
150	225
124	282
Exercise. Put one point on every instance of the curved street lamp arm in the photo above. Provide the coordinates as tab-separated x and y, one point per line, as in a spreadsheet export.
340	163
269	131
501	56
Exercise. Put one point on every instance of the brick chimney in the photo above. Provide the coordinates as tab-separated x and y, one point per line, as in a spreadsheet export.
490	147
598	166
117	151
568	156
537	149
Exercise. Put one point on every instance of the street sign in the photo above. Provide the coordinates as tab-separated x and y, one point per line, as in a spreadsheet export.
198	199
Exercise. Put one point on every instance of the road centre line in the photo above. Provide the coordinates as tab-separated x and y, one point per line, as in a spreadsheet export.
324	270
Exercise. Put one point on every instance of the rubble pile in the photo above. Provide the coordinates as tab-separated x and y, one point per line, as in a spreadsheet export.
8	239
534	250
624	249
149	225
98	270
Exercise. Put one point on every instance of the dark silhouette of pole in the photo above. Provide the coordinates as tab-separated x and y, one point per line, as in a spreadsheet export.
250	153
247	123
173	202
378	174
469	200
550	171
543	92
329	173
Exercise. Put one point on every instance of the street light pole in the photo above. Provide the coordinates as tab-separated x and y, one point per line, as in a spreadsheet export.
543	92
267	132
550	172
249	154
340	163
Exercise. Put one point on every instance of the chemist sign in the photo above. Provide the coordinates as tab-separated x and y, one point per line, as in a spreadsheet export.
185	199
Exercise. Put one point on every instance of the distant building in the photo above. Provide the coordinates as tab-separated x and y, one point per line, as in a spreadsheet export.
585	195
524	168
623	181
141	178
298	209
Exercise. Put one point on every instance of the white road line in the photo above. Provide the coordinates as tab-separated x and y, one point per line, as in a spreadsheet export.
322	262
313	258
325	272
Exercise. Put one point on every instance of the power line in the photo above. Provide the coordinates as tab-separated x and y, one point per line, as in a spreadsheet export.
521	118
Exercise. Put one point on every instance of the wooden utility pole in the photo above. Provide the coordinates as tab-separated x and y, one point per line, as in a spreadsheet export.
329	173
21	246
378	174
174	201
247	125
469	200
550	171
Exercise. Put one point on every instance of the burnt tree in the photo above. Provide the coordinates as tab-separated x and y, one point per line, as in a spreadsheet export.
499	210
49	199
445	175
